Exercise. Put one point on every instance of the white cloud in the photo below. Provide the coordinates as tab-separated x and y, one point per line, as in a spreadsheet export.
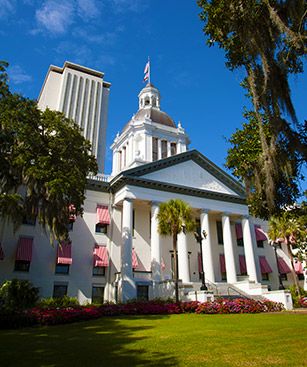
55	16
18	75
131	5
88	9
7	7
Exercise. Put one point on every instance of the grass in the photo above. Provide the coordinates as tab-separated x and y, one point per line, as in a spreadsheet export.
176	340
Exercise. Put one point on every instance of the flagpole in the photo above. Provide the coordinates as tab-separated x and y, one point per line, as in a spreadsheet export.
149	70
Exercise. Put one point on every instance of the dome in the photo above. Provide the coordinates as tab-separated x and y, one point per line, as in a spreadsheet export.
157	116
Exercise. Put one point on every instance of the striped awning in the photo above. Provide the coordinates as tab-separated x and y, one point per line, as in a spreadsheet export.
283	266
298	267
1	253
72	213
64	253
242	262
222	263
135	262
101	256
162	264
103	216
260	235
264	265
24	249
200	268
239	231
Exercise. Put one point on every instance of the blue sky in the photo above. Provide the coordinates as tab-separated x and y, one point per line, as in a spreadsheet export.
116	36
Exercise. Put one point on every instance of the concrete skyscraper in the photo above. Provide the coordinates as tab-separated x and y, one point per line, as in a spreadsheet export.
81	94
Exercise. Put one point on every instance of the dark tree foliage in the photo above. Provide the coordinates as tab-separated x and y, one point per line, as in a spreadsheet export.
267	39
44	161
244	161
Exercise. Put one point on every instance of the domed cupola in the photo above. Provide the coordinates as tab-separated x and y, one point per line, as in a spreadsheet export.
149	97
149	135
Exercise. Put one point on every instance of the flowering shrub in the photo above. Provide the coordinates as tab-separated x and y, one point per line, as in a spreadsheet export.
239	305
54	316
302	302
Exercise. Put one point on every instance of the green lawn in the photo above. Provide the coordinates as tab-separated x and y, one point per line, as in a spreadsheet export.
176	340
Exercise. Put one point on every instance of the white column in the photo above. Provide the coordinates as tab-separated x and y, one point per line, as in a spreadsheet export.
115	169
128	289
159	149
183	259
249	248
207	246
229	250
168	149
155	244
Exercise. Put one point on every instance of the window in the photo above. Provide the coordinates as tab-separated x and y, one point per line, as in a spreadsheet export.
59	290
97	294
101	228
173	148
163	148
62	269
219	230
154	149
240	242
142	292
300	276
283	277
224	275
120	159
260	243
133	222
265	276
22	265
124	156
99	271
29	220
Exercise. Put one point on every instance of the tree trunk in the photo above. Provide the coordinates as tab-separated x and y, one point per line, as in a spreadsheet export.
297	286
175	266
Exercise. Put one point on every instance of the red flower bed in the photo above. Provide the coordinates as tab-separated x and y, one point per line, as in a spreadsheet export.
303	302
54	316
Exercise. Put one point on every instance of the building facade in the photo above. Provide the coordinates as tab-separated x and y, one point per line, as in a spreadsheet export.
116	252
81	94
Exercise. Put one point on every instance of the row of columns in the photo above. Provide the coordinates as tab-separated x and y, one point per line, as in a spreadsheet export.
182	247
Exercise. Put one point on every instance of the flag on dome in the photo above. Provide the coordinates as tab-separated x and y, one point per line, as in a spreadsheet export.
147	71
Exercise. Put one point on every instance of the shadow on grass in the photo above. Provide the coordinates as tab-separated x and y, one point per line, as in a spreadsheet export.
106	342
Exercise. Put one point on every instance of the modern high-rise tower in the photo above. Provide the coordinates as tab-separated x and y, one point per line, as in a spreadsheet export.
81	94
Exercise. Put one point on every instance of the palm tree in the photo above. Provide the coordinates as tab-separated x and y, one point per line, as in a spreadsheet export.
285	229
174	217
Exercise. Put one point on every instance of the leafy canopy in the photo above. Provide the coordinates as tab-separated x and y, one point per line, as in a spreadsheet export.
267	39
44	163
174	216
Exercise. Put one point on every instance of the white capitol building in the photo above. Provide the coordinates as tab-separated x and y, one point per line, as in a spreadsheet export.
116	253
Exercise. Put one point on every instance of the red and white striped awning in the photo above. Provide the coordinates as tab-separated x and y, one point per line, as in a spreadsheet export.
101	257
103	216
264	265
283	266
64	253
222	263
135	262
260	235
24	249
1	253
242	262
298	267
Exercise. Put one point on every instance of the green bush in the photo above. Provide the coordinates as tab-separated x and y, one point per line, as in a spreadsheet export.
18	295
61	302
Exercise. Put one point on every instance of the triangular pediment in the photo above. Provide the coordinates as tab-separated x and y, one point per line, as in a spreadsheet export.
191	170
190	174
